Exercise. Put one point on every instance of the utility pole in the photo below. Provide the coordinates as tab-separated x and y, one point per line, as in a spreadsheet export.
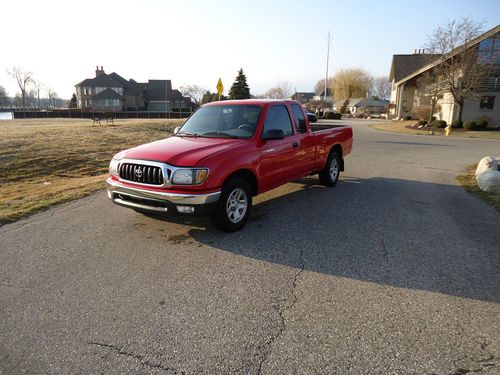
327	61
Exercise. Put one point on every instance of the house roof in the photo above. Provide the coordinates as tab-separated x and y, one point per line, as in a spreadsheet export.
402	65
372	103
328	92
107	94
434	62
304	95
157	89
131	85
103	80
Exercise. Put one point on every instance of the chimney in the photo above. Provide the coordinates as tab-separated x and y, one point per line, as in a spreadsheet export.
415	51
423	51
99	72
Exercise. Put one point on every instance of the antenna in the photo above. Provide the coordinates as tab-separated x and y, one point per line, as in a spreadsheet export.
327	61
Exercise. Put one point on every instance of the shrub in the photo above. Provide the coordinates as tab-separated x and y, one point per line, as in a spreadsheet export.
481	124
406	118
457	124
422	112
470	125
422	122
439	124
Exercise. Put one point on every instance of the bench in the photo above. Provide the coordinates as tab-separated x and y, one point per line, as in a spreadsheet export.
108	116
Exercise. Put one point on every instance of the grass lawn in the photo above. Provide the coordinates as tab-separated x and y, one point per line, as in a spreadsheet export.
468	181
48	161
406	128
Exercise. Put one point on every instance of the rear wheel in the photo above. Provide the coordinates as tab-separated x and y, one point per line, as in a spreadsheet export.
234	206
330	174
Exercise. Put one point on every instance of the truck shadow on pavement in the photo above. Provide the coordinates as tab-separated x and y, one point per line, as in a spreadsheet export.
406	234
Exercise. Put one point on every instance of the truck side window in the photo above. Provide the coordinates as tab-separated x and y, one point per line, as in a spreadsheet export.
300	121
278	118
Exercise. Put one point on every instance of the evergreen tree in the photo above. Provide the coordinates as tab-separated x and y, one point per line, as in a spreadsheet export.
207	97
211	97
72	103
239	89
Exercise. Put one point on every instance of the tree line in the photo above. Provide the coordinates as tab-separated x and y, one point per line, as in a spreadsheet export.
32	92
345	84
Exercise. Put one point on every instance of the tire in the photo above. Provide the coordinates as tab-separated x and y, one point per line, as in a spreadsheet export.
330	174
234	206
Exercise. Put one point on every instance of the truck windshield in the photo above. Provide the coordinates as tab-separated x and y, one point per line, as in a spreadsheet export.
222	121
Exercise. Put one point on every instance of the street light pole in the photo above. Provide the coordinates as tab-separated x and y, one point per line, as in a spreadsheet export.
327	61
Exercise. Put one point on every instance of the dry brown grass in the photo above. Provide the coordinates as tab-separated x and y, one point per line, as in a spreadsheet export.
468	181
405	128
48	161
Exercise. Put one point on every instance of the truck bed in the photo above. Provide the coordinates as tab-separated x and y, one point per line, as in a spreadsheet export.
318	127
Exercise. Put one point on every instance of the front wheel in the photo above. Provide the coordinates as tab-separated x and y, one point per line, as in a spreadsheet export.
330	174
234	206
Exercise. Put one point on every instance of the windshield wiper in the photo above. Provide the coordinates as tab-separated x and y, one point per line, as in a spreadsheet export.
219	134
187	134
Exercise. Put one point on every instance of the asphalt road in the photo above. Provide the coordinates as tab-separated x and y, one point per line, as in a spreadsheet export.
394	271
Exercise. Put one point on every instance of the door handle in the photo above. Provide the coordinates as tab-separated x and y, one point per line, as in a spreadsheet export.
295	144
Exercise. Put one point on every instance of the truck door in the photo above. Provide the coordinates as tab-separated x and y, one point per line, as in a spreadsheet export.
305	154
278	156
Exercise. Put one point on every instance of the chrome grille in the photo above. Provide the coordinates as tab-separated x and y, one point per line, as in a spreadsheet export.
145	174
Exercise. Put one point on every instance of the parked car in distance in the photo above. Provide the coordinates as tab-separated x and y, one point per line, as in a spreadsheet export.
226	153
312	117
332	115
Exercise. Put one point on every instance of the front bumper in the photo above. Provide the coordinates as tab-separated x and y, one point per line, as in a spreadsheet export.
161	202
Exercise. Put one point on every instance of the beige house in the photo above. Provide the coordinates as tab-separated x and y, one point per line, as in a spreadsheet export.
362	106
409	88
328	98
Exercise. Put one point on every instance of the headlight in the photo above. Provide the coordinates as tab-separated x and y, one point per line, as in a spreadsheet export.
113	165
189	176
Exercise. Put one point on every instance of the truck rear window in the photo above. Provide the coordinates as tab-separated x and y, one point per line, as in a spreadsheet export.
233	121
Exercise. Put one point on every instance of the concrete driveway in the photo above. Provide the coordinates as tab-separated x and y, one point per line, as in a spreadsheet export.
394	271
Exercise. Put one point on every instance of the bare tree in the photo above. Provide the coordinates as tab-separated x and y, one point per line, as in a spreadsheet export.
381	87
37	88
319	87
430	89
194	92
4	99
317	106
52	96
281	91
22	78
459	66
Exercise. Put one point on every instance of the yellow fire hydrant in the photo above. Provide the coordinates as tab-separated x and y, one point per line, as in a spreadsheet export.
448	130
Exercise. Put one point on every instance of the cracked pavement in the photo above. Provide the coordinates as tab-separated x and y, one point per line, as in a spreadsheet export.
394	271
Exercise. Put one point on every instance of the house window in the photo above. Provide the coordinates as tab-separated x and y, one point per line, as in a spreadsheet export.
487	102
489	50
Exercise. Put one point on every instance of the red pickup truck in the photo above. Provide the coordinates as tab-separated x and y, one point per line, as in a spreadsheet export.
224	154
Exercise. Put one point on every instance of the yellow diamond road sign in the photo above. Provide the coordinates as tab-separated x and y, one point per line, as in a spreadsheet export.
220	87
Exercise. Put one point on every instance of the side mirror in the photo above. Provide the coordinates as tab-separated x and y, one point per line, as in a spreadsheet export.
273	134
177	128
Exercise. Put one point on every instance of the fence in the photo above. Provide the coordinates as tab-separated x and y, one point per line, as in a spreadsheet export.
91	114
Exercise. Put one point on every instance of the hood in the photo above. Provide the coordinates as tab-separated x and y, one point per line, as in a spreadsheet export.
181	151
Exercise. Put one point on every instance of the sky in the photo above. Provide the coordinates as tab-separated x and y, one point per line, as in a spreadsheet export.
196	42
